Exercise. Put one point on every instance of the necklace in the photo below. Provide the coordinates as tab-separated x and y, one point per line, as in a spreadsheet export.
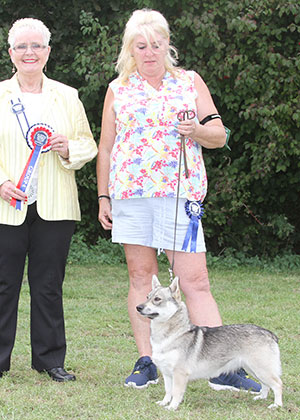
155	83
36	89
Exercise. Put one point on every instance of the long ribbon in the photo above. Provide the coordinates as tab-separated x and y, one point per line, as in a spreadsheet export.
37	137
26	177
19	110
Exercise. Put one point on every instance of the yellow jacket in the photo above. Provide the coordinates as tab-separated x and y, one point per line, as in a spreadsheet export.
57	191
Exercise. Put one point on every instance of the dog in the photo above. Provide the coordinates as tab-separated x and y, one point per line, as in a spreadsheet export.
184	352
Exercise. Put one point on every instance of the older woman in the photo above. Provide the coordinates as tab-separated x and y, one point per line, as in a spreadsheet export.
150	111
44	138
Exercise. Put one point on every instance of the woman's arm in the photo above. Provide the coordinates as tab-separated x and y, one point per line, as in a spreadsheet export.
211	135
80	147
107	139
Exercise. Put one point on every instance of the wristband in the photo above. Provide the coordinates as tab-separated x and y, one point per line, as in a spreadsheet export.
103	196
209	118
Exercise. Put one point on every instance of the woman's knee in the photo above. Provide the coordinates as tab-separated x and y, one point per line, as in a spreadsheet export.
140	278
196	283
141	264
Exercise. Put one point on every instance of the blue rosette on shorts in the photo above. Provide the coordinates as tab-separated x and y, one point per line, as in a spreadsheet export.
194	210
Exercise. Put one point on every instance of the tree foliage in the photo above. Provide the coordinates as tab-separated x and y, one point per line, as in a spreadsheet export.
248	54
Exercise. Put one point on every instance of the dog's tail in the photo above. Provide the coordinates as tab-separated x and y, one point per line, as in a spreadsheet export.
274	336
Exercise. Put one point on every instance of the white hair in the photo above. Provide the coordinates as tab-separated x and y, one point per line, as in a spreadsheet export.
22	25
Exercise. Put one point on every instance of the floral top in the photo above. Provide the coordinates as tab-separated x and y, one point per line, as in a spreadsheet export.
145	155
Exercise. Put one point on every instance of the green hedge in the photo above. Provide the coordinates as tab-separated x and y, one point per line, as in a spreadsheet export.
248	54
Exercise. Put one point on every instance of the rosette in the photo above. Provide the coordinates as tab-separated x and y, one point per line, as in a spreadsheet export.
194	210
39	135
38	139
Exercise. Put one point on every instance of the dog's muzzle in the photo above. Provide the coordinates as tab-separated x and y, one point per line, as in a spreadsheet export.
140	309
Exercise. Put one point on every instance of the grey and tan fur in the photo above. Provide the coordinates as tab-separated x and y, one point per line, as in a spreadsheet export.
185	352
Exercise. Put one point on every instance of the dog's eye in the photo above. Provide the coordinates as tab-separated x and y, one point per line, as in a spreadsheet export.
157	299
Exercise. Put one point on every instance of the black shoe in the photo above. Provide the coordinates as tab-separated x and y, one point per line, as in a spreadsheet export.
60	375
2	372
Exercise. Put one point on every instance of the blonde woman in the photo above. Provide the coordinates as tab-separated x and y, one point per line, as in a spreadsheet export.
138	174
44	138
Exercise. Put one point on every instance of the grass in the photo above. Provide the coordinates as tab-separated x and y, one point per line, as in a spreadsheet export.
101	351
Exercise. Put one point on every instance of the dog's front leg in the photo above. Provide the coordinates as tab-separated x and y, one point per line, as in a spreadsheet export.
168	388
180	380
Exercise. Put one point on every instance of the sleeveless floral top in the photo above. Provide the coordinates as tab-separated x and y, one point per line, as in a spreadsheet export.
145	155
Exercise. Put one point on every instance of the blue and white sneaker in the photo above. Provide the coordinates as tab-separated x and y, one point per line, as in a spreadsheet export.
236	381
144	373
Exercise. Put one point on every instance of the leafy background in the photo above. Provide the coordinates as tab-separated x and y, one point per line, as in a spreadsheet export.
248	54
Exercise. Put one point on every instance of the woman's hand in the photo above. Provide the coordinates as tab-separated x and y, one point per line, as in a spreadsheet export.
60	144
8	190
187	128
104	215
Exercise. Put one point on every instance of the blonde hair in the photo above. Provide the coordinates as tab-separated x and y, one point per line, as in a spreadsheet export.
22	25
147	23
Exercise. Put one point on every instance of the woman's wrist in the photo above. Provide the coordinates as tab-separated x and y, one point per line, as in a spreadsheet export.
101	196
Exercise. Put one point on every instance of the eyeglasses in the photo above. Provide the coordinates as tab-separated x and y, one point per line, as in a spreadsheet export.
21	48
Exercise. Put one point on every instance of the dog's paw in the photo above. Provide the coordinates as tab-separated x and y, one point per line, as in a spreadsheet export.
172	407
164	402
260	397
274	406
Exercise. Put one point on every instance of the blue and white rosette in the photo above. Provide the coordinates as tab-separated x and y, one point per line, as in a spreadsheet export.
194	210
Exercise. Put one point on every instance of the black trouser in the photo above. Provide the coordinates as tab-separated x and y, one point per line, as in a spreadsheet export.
47	246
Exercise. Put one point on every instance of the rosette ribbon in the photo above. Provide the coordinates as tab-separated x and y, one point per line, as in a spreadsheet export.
194	210
38	139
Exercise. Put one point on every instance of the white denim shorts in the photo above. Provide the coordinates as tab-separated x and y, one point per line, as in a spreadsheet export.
150	222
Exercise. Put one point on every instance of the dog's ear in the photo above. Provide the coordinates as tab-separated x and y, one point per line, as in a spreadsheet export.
155	282
175	290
